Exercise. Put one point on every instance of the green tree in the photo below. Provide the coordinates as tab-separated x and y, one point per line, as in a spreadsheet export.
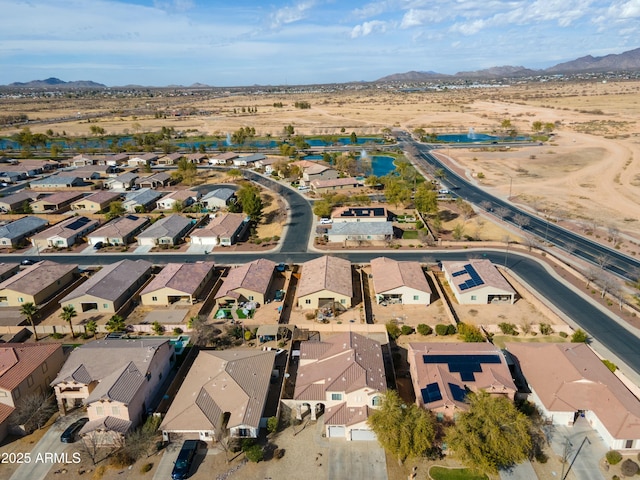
115	210
67	315
425	200
235	173
396	190
353	138
405	431
249	197
393	330
157	328
188	171
116	324
458	231
322	208
55	150
537	126
30	311
91	327
96	130
491	435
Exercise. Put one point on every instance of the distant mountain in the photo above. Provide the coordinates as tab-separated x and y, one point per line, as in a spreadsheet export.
498	72
57	83
629	60
412	76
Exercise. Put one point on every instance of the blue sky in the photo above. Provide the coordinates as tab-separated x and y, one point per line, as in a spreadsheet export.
242	42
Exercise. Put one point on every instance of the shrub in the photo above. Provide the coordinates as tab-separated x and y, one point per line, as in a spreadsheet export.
545	329
508	328
254	453
442	329
57	335
146	467
310	316
406	330
563	334
470	333
629	468
613	457
610	365
278	453
424	329
178	331
158	328
579	336
272	424
393	330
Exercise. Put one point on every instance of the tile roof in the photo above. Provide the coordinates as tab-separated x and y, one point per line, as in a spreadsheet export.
60	197
183	277
254	276
20	197
342	414
37	277
120	227
108	423
121	386
179	195
19	360
67	228
143	196
159	177
103	196
326	273
56	180
390	274
6	267
484	268
225	156
346	362
125	178
568	377
170	226
222	225
5	412
234	381
112	281
223	193
335	182
22	227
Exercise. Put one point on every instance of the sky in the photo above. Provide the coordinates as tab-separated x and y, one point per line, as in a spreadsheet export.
244	42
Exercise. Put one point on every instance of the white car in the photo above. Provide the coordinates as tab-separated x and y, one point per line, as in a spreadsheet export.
325	221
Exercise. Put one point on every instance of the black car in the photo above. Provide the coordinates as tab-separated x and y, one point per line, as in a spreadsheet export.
185	459
27	261
70	434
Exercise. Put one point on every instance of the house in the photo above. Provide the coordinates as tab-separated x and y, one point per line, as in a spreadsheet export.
30	168
399	282
120	231
8	270
196	158
219	198
268	164
180	197
317	171
223	158
178	283
249	160
223	389
64	234
16	202
325	186
170	159
126	181
55	203
117	380
360	232
326	282
37	283
159	179
443	373
115	159
247	283
27	369
477	282
142	160
81	161
13	235
570	385
344	377
93	172
140	201
108	289
360	214
224	229
166	231
95	202
11	177
57	182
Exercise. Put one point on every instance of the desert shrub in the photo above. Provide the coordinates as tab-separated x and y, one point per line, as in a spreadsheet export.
122	458
541	457
393	330
470	333
158	328
545	329
278	453
406	330
579	336
563	334
57	335
178	331
254	453
424	329
508	328
613	457
146	467
629	468
442	329
610	365
310	316
272	424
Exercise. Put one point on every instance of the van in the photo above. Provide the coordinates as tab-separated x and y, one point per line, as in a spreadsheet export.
185	459
304	188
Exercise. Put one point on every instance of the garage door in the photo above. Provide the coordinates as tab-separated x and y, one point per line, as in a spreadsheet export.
362	435
336	432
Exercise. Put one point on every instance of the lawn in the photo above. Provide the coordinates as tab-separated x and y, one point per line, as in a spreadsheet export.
241	314
499	340
410	235
443	473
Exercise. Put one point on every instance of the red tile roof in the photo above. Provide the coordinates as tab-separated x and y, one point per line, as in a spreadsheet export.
19	360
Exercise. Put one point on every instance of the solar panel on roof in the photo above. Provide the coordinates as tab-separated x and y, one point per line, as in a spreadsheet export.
457	274
457	392
463	286
431	393
465	365
78	223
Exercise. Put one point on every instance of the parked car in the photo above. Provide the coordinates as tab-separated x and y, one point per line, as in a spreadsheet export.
71	433
325	221
185	459
27	261
98	245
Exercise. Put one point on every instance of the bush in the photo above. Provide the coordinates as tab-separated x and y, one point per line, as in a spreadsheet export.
278	453
146	467
57	335
424	329
158	328
406	330
579	336
442	329
470	333
272	424
613	457
610	365
545	329
508	328
563	334
178	331
629	468
254	453
393	330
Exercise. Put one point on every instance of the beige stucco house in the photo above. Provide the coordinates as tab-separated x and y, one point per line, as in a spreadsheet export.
178	283
96	202
477	282
325	282
37	283
64	234
247	283
399	282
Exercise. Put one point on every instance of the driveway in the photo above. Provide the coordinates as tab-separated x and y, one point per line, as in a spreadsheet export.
522	471
50	445
163	472
143	249
349	460
585	449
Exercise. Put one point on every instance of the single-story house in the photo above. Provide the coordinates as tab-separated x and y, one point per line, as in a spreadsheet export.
343	376
95	202
120	231
142	160
185	197
477	282
360	214
317	171
17	201
267	164
360	232
64	234
570	384
170	159
443	373
81	160
223	158
223	389
115	159
219	198
36	284
178	282
224	229
399	282
159	179
249	160
9	176
166	231
57	182
325	186
326	282
108	289
126	181
15	233
8	270
55	203
93	172
247	283
27	369
140	201
196	158
30	168
117	380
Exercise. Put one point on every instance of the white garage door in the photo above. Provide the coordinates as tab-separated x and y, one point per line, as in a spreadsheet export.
362	435
336	432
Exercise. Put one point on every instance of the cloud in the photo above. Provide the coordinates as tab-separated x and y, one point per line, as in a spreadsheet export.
291	14
174	5
367	28
625	10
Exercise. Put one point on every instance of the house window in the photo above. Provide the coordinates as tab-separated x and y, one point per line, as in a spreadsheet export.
243	432
251	298
29	380
474	297
376	401
20	299
343	301
628	444
308	301
336	396
100	411
154	299
105	305
115	411
416	297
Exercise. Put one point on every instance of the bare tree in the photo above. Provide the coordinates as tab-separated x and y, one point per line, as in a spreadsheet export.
618	293
531	241
602	260
591	273
33	411
485	205
614	234
607	282
521	220
570	247
502	212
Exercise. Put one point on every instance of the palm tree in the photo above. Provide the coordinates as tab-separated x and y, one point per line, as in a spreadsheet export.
116	324
68	312
30	311
91	327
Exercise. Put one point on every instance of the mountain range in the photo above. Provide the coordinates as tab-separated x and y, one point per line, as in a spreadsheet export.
57	83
